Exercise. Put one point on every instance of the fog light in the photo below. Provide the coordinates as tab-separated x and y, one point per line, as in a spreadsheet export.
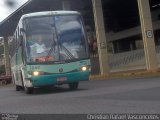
84	68
35	73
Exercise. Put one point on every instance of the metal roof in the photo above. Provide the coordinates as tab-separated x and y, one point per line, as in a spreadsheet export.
8	25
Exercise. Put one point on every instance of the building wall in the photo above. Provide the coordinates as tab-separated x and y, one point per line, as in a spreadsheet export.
116	39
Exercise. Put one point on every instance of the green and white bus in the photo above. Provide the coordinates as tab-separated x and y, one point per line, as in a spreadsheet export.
49	48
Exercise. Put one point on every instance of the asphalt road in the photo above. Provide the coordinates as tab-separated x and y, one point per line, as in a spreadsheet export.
140	95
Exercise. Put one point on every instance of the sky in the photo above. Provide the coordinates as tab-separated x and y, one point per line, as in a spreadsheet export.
6	10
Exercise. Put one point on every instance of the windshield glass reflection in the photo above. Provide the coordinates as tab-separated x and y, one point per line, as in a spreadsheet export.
71	37
55	38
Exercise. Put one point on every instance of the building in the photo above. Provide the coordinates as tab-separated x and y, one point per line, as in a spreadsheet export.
127	32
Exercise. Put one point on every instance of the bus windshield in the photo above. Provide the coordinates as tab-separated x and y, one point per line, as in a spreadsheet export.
55	38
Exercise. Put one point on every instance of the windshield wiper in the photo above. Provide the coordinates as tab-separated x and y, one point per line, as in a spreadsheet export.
67	51
63	47
53	44
51	49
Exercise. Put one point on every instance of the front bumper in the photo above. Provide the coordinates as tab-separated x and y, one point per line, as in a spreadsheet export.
55	79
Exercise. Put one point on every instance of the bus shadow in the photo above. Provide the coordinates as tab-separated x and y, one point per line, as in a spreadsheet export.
55	90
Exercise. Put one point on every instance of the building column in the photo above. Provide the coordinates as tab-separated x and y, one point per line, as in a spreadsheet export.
66	5
101	37
148	36
6	53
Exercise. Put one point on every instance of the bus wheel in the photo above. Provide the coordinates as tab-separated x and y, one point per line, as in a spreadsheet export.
73	86
29	90
18	88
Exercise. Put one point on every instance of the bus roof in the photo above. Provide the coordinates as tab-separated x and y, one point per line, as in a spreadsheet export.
48	13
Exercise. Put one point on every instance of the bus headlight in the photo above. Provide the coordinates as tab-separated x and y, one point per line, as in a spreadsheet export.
35	73
84	68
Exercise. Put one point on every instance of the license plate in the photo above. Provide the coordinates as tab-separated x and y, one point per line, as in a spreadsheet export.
60	79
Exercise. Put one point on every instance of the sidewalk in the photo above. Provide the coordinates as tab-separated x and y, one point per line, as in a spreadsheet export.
126	74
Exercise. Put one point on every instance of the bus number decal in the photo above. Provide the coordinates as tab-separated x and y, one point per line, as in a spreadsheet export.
35	67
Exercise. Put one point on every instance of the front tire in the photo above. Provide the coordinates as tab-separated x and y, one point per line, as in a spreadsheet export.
73	86
29	90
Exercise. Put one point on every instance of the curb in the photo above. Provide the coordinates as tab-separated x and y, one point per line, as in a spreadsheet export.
130	74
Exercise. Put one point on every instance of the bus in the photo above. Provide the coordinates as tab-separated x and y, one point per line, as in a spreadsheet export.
49	48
